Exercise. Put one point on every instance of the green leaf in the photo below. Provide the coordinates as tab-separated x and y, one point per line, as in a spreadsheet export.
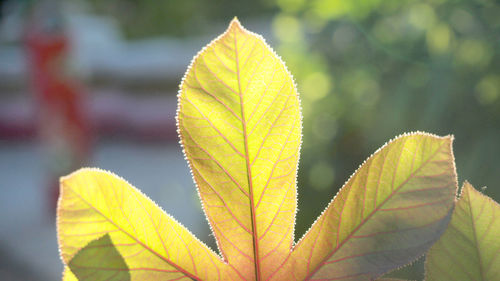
99	260
470	247
389	213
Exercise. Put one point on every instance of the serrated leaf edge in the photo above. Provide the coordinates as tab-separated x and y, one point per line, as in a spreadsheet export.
236	22
364	162
462	190
59	202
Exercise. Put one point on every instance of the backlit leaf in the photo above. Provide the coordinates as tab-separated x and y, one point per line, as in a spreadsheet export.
68	275
470	247
154	246
389	213
239	122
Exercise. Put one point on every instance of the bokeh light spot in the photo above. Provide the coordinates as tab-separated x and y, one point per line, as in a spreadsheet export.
331	9
316	86
321	175
290	6
422	16
473	53
438	39
488	89
288	29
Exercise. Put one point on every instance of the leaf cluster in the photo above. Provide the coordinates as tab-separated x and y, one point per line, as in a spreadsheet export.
239	122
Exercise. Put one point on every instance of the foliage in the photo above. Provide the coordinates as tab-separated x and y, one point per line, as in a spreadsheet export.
371	69
240	127
470	247
366	70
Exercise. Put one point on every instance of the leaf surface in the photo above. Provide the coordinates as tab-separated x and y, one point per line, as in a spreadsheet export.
154	246
99	260
387	214
470	247
239	123
68	275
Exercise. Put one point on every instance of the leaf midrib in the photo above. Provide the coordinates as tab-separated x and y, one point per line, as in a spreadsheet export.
247	163
474	232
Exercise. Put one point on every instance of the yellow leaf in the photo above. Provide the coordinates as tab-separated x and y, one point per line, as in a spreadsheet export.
240	127
155	246
68	275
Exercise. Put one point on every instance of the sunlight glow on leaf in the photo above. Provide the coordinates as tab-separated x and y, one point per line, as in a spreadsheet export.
470	247
240	126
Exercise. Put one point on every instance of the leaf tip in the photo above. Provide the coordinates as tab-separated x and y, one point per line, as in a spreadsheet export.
469	190
467	185
449	138
235	23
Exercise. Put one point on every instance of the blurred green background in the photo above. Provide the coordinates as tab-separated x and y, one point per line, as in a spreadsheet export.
366	72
